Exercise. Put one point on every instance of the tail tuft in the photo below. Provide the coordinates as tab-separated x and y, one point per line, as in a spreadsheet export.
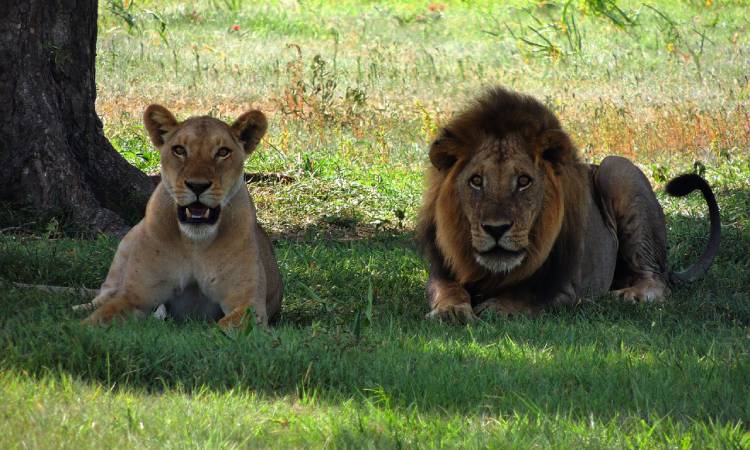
680	187
684	184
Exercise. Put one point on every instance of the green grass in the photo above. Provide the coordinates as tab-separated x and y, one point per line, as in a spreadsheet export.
354	91
605	375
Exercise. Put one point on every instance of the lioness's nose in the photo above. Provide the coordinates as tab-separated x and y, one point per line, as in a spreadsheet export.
197	188
496	231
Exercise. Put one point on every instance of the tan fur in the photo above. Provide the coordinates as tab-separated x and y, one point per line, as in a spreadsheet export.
453	303
231	262
512	221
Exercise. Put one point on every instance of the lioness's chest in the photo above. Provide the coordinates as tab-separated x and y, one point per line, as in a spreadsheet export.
190	302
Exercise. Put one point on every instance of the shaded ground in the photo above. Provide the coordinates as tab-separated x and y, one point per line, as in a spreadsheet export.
354	93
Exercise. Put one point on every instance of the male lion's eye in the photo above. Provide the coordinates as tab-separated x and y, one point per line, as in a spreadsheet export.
476	181
179	150
523	182
223	152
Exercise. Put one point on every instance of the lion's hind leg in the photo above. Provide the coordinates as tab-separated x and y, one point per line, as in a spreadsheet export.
646	289
633	211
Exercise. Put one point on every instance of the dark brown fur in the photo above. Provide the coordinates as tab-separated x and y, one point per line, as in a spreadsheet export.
573	206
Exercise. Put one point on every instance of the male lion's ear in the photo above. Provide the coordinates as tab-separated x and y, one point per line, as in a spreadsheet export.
445	150
556	147
250	127
159	122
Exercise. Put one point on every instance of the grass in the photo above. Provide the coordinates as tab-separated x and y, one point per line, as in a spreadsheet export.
354	91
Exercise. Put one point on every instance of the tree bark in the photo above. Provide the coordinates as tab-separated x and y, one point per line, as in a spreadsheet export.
54	158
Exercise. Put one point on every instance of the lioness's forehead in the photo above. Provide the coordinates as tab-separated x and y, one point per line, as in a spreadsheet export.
206	130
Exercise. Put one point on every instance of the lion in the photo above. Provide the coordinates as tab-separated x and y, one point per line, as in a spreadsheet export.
513	222
199	249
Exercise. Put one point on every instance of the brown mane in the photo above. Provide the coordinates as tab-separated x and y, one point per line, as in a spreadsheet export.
443	230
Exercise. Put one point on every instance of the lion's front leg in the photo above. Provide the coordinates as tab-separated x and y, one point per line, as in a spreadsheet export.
117	305
237	297
507	306
130	286
449	301
136	297
238	315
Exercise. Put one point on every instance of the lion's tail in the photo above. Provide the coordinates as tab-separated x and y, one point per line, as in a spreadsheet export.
680	187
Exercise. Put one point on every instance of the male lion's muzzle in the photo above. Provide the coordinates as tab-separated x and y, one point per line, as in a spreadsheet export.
496	248
500	252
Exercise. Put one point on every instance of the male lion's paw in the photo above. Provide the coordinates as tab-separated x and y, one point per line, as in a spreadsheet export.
461	313
498	307
646	291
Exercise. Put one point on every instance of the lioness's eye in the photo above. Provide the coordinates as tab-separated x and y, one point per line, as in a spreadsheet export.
523	181
179	150
476	181
223	152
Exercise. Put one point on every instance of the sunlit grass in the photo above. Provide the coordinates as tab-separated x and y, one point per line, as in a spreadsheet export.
354	92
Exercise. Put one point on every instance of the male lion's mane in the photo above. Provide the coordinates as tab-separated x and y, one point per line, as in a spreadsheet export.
557	235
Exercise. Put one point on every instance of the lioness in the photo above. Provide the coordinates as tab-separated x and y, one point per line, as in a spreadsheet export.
513	221
199	248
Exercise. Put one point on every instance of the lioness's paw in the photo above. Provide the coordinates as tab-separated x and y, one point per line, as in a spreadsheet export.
84	307
237	320
89	321
461	313
114	310
97	318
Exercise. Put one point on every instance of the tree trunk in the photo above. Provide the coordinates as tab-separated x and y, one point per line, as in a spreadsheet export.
54	158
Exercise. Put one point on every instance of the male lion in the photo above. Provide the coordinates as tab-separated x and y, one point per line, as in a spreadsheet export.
513	221
199	248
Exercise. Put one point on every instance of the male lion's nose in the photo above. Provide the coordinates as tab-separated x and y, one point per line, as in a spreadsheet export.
197	188
496	231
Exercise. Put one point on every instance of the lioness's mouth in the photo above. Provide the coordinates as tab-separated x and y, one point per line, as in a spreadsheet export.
500	252
198	214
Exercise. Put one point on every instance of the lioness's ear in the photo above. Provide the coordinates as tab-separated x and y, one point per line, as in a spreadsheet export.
445	150
556	147
159	122
250	127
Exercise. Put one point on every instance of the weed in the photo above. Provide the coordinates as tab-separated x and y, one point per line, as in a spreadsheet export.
123	9
675	39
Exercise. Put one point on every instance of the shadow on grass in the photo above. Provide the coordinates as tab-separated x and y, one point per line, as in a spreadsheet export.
589	371
343	229
686	358
607	361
